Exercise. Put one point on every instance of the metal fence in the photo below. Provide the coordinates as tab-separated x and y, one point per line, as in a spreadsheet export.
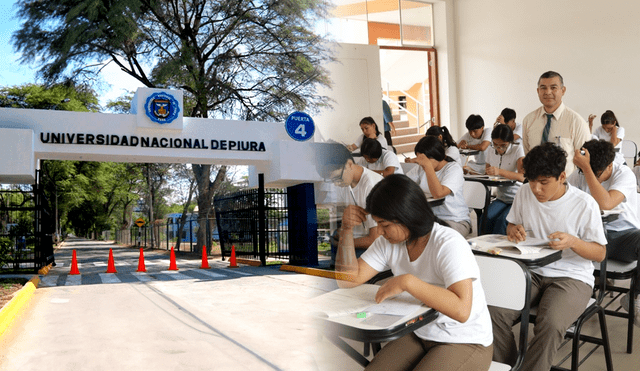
255	222
165	236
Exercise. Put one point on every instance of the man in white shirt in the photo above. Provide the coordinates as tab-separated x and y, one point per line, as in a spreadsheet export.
554	122
612	185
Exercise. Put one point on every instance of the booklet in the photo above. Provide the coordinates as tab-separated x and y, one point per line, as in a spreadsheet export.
495	243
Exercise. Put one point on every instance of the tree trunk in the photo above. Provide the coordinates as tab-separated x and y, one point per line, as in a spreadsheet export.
206	191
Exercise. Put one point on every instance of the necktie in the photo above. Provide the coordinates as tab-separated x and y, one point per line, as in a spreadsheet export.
547	128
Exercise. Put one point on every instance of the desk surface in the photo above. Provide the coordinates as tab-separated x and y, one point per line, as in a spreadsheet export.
537	260
490	180
469	152
435	201
344	323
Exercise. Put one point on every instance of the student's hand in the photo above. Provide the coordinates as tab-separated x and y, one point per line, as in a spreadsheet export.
423	161
352	147
462	144
492	170
516	233
353	215
582	161
392	287
591	117
562	241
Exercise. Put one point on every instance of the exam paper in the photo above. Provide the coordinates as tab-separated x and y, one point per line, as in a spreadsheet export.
401	305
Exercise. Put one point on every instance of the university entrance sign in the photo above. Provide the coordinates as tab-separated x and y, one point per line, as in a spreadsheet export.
156	131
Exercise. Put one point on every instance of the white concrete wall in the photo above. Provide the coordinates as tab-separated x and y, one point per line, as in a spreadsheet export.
356	93
502	47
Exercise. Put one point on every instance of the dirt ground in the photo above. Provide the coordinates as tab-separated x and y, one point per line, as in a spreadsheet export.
8	286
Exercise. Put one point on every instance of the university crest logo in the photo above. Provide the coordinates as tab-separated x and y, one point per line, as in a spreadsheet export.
162	108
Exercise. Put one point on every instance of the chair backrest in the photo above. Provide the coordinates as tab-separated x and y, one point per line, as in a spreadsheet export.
406	166
475	194
507	284
629	151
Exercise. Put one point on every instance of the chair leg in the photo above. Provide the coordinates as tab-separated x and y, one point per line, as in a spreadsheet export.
632	316
605	339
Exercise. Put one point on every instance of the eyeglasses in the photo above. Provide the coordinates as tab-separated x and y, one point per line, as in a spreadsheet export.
502	147
337	178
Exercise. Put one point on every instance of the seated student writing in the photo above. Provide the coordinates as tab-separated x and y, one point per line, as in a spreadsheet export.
549	208
450	145
369	130
354	183
478	138
508	117
612	185
504	160
611	131
439	176
432	263
377	159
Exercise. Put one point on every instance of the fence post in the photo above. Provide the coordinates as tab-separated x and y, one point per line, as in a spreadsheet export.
262	228
303	225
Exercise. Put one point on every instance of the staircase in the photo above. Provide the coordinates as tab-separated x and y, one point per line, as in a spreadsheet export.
406	137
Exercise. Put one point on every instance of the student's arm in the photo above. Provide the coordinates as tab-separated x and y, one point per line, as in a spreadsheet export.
614	136
462	144
606	200
352	147
589	250
519	176
515	136
354	271
366	241
436	189
480	147
388	171
454	301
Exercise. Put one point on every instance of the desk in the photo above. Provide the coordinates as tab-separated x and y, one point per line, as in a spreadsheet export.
435	201
348	326
490	180
546	256
468	152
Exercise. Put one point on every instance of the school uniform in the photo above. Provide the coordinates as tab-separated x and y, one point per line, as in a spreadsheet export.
454	153
479	160
381	139
561	289
387	159
600	133
454	209
446	259
496	219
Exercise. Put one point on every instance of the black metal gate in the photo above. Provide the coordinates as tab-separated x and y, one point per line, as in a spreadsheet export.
255	222
26	228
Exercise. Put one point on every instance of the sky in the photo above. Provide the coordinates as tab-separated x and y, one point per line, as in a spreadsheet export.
13	73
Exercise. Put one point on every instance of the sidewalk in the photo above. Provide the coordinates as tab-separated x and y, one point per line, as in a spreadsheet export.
254	322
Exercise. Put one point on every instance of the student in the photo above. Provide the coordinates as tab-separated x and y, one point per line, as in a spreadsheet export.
505	160
432	263
610	131
450	145
439	176
369	130
477	138
335	164
378	160
549	208
613	185
508	117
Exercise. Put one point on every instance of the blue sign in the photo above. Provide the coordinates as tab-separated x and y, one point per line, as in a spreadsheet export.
300	126
162	108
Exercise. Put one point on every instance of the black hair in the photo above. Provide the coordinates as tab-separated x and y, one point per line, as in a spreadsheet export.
432	147
474	122
370	121
546	160
550	75
330	157
502	132
508	114
399	199
608	115
371	147
437	131
601	154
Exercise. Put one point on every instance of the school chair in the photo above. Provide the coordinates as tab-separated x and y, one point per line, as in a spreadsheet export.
573	334
507	284
477	196
620	271
629	152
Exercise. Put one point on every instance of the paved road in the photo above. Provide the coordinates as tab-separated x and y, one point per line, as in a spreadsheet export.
249	318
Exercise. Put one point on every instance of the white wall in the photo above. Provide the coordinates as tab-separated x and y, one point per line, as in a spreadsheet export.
502	47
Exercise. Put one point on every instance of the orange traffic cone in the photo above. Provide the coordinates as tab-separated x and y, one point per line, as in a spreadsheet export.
172	263
111	267
205	260
141	267
232	259
74	264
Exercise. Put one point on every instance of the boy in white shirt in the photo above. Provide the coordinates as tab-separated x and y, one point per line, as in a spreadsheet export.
478	138
549	208
612	185
335	164
378	159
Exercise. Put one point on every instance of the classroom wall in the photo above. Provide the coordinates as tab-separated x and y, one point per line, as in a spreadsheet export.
502	47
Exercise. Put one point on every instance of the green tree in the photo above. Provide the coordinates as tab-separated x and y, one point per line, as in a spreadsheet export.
253	60
66	96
